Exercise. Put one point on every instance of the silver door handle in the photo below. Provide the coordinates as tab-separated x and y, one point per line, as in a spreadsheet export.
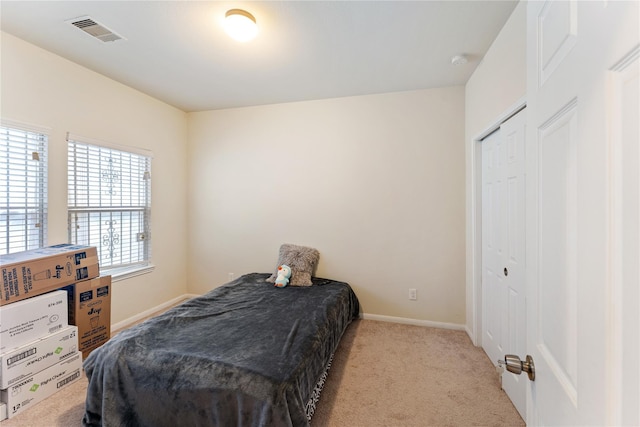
516	366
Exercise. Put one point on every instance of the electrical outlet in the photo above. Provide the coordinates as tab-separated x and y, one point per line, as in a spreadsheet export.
413	294
230	276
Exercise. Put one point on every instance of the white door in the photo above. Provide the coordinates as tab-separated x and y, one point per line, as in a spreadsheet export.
572	49
503	250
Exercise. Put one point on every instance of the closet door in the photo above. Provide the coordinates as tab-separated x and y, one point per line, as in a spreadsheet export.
503	243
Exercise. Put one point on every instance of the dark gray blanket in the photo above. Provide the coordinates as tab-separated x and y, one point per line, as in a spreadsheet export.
244	354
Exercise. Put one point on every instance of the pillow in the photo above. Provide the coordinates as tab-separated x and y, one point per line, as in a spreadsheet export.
301	259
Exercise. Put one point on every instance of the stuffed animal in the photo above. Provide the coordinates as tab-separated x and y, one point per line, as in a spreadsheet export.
284	273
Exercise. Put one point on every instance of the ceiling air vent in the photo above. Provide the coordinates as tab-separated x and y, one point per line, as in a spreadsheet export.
93	28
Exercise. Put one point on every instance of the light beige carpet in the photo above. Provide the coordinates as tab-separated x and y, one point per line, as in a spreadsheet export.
383	374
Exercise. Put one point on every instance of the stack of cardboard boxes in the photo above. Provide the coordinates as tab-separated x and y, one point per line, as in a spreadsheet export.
54	310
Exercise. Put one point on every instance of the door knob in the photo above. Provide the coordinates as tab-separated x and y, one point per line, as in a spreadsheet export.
516	366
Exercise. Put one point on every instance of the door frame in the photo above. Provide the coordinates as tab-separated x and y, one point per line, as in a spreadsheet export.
617	290
474	232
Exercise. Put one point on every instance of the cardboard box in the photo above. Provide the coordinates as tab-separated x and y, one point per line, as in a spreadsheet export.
90	310
30	273
32	319
34	389
32	358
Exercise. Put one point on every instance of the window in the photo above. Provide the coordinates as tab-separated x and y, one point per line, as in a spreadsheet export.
110	204
23	188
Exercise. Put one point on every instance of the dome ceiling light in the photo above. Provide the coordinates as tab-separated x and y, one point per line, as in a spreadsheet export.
240	25
459	59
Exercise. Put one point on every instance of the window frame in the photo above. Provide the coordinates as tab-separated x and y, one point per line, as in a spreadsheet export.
38	180
118	271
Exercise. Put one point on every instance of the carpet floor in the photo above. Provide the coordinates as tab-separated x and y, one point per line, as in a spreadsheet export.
383	374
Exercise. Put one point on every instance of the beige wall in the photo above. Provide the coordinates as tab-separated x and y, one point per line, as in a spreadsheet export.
375	183
43	89
500	79
496	86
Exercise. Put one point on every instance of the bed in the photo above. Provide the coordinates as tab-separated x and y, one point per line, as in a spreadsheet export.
244	354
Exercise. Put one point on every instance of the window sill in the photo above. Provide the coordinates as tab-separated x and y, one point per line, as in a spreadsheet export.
118	274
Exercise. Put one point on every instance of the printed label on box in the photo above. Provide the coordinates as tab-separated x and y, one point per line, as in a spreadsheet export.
80	256
38	387
29	320
86	296
32	358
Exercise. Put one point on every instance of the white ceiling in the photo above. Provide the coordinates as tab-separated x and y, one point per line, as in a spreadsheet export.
176	51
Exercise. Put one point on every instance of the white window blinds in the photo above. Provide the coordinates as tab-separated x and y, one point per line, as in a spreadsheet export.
23	189
110	203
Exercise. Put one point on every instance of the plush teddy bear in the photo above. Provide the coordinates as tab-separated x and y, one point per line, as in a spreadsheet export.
284	273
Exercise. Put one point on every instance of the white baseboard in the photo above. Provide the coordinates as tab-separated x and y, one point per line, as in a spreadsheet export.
134	319
415	322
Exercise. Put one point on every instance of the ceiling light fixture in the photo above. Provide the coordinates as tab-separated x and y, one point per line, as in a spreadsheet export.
240	25
459	59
